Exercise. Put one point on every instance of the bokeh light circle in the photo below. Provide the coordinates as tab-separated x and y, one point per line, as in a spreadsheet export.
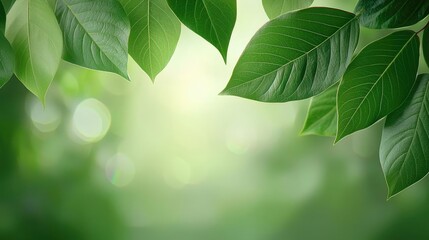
91	120
45	118
120	170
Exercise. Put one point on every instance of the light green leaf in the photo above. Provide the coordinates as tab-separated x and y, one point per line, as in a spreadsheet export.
96	34
296	56
52	3
425	43
391	13
7	4
275	8
322	114
377	81
7	61
404	151
213	20
155	31
36	40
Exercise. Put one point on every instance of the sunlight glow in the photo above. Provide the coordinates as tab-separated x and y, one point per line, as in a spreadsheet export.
91	120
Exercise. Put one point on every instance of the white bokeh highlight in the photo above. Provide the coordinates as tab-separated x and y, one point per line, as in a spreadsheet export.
91	120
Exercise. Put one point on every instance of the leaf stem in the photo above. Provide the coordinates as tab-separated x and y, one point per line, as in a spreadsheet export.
421	30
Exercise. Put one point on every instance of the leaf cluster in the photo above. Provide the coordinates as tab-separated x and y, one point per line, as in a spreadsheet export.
100	34
312	53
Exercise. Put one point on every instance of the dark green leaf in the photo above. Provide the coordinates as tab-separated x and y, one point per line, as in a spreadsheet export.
7	61
154	35
296	56
275	8
7	4
213	20
37	42
322	114
377	81
391	13
96	34
425	43
404	150
2	19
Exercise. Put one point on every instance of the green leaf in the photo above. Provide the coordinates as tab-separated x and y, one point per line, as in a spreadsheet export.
391	13
7	61
404	151
377	81
296	56
36	40
96	34
7	4
275	8
425	43
213	20
52	3
154	35
322	114
2	18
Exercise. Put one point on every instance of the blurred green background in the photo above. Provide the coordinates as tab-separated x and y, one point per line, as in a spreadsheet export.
111	159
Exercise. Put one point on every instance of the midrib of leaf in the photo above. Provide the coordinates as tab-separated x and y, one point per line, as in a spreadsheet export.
149	37
327	114
303	55
372	87
90	36
29	48
213	26
423	106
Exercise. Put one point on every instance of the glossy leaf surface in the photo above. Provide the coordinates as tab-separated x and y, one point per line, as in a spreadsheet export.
404	151
275	8
155	31
213	20
96	34
296	56
377	81
425	43
2	18
391	13
36	40
7	61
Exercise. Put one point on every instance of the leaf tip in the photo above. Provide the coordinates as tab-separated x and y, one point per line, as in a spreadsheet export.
42	99
229	90
340	135
152	76
225	58
304	132
224	92
126	76
337	139
393	189
391	194
123	73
